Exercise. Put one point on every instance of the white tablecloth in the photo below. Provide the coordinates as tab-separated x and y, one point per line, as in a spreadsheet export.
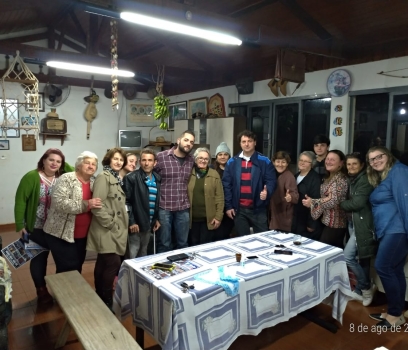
272	289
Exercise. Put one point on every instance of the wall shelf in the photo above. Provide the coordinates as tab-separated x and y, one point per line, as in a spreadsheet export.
48	135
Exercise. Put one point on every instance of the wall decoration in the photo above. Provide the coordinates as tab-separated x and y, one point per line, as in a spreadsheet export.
216	105
12	119
338	108
4	145
339	83
140	113
197	108
338	131
178	111
29	142
32	98
338	121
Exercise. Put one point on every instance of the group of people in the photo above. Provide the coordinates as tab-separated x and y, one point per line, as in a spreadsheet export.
355	203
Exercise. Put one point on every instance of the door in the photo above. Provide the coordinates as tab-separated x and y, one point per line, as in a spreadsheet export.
259	119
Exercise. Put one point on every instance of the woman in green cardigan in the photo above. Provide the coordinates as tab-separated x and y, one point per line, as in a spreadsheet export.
362	245
33	199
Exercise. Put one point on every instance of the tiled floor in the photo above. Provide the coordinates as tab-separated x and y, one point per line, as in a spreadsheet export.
34	327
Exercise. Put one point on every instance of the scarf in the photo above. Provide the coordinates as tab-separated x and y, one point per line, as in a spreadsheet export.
114	173
200	172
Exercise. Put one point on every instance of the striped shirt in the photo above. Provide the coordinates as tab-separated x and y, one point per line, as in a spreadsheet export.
175	176
152	186
246	189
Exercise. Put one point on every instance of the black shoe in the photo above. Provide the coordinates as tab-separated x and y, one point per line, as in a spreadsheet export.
385	323
377	317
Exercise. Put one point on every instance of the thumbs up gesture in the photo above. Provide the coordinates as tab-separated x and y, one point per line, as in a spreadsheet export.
307	202
288	197
264	193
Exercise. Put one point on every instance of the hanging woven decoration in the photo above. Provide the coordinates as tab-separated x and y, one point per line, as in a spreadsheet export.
114	64
161	102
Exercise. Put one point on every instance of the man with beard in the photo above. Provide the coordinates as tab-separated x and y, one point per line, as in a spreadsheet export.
142	188
174	166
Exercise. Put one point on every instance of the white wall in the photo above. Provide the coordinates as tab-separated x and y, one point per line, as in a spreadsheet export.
364	77
15	163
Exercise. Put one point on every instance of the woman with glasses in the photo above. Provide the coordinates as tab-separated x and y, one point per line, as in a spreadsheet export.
285	195
389	202
308	184
333	191
206	197
361	245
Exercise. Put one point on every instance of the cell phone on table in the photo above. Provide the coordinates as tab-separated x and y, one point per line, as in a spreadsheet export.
252	257
285	252
163	266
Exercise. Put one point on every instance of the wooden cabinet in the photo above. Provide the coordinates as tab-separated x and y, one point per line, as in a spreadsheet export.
213	131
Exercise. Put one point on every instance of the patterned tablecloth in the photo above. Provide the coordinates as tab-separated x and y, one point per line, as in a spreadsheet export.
272	289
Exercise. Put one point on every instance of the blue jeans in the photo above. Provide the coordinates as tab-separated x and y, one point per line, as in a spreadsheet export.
361	271
389	264
180	220
246	218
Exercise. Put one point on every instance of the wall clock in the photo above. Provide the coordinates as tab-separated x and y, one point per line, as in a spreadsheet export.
339	83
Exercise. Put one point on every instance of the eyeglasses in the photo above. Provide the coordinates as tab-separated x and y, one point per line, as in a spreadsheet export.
304	161
201	159
279	246
379	157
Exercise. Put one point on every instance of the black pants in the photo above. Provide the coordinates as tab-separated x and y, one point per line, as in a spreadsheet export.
67	256
199	233
333	236
38	265
224	231
106	268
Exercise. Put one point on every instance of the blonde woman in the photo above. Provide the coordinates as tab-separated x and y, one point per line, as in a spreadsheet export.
389	202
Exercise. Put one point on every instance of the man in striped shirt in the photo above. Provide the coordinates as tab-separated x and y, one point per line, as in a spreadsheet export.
142	188
249	181
174	166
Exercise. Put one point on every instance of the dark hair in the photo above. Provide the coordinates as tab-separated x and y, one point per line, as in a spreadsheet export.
109	155
187	132
342	157
48	152
281	155
247	133
356	155
148	151
321	139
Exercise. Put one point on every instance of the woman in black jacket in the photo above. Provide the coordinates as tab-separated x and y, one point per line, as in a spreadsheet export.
362	245
308	184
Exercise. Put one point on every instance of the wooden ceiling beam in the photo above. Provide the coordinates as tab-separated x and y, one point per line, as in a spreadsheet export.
44	54
143	51
25	38
248	9
78	26
306	19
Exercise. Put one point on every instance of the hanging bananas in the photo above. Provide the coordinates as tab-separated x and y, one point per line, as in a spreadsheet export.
161	106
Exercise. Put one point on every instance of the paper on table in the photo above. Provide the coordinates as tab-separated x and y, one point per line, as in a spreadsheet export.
315	245
253	245
214	254
283	235
283	257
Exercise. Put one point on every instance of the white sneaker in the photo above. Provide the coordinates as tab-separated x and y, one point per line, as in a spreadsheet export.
368	294
357	297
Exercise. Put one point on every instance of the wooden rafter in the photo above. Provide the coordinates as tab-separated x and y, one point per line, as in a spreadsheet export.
78	25
143	51
248	9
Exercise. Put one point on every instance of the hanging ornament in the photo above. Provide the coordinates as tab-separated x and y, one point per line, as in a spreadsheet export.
114	64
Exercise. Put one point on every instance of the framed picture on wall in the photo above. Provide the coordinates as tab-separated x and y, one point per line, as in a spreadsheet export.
32	98
178	111
216	105
197	108
4	145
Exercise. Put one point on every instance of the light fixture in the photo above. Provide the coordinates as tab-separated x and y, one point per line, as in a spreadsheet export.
403	111
180	28
90	69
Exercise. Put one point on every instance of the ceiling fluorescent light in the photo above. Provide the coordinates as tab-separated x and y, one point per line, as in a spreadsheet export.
180	28
90	69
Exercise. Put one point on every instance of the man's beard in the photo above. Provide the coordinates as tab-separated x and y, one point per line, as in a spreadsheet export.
181	149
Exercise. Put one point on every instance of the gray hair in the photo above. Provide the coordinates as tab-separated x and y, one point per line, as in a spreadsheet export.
84	155
310	155
202	149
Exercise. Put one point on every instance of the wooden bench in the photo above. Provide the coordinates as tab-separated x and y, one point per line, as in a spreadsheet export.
95	325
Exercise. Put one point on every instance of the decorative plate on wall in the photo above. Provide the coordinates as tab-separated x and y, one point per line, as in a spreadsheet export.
339	83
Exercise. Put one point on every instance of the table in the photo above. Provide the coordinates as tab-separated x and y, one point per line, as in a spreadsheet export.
272	289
